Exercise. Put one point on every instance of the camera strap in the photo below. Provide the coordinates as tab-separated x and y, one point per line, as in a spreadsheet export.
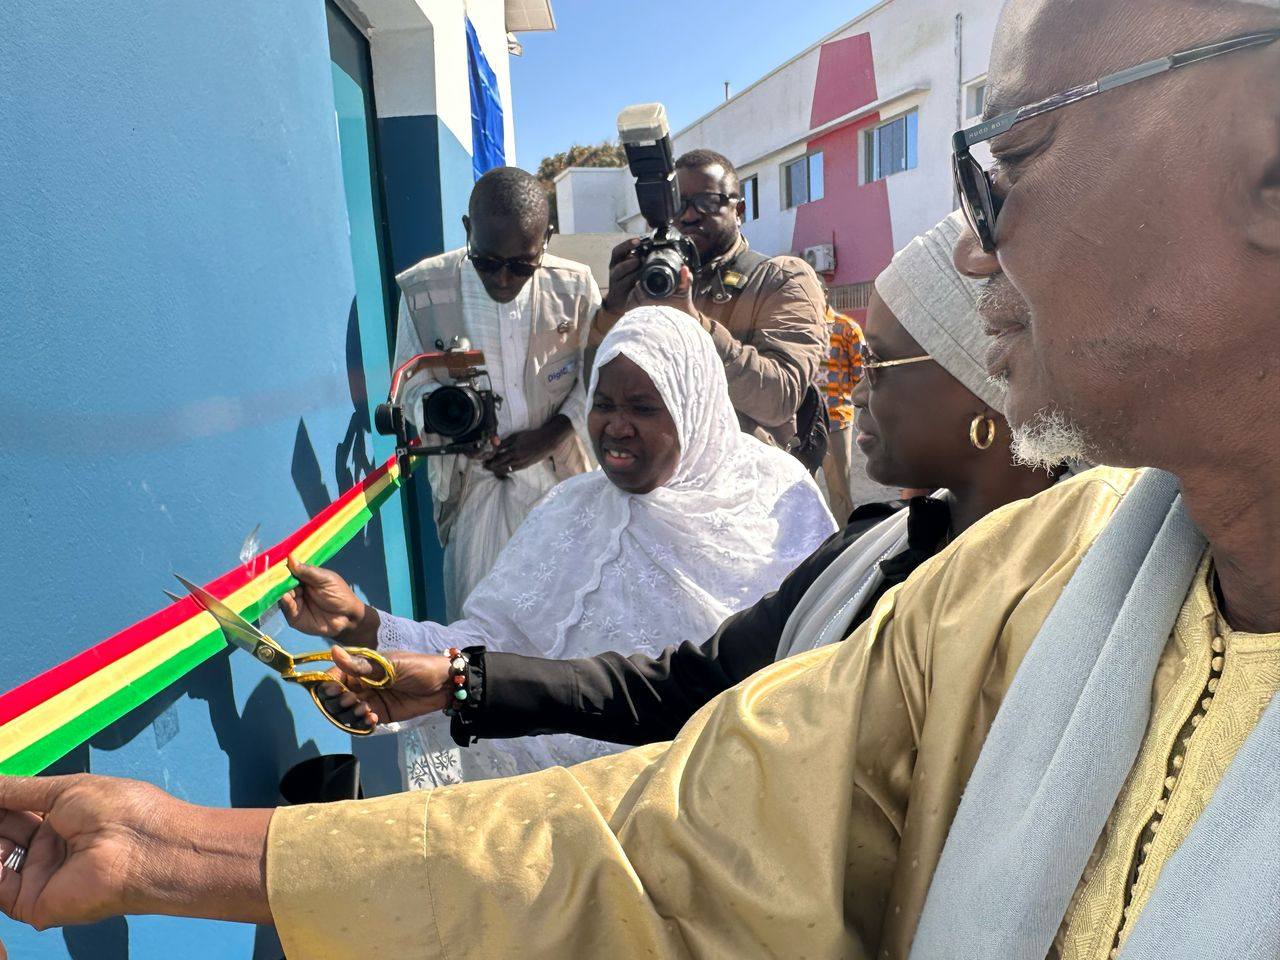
731	279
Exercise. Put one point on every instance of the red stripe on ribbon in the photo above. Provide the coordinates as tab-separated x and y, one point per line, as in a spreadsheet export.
65	675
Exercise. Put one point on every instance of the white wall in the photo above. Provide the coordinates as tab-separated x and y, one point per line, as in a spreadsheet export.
420	59
916	40
592	199
593	249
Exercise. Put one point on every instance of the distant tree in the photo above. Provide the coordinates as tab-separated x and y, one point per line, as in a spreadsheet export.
605	154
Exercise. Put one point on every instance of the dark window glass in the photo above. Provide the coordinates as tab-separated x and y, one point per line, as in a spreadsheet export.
797	183
893	147
803	180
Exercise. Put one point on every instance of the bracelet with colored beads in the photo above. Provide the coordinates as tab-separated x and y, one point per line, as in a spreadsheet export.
456	684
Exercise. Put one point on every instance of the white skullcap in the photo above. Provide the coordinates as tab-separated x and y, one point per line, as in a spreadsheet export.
938	306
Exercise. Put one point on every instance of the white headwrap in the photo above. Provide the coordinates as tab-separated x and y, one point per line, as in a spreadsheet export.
594	569
939	307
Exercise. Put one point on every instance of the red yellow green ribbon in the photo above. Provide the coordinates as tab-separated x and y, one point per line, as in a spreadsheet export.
48	716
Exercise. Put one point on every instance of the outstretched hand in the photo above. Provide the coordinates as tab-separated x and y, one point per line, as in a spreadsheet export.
420	687
99	847
323	605
76	869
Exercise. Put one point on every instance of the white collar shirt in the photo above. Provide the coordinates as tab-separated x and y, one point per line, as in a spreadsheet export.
502	331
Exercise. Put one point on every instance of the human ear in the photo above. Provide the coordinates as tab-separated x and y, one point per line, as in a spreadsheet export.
1261	173
466	225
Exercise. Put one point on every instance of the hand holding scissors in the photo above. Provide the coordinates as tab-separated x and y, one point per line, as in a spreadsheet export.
323	604
421	686
245	635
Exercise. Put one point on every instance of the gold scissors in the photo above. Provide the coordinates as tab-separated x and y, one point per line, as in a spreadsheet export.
246	636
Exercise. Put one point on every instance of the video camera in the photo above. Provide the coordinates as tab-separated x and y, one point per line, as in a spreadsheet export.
463	413
645	136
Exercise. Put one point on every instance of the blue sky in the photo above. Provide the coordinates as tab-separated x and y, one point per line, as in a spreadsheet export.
570	84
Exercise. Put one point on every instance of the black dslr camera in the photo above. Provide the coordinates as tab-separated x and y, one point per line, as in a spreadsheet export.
463	413
645	136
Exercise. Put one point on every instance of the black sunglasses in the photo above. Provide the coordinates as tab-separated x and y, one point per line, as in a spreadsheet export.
707	203
979	201
518	266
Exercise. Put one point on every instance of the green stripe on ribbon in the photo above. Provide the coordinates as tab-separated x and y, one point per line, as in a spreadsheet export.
56	745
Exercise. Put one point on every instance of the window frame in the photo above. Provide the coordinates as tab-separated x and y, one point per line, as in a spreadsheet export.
822	174
786	191
971	110
751	185
870	146
805	162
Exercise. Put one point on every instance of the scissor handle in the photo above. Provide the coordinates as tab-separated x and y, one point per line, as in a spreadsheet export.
313	687
314	679
388	670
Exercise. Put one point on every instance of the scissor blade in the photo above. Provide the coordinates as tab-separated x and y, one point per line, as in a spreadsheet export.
173	596
234	627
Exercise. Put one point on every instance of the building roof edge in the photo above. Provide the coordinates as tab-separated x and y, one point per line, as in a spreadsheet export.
782	66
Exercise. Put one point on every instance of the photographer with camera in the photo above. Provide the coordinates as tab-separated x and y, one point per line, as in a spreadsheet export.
527	312
765	314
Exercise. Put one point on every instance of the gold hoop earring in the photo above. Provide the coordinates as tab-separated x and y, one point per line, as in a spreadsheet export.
982	442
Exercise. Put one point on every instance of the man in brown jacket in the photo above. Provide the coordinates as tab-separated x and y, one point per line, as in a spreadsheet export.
765	314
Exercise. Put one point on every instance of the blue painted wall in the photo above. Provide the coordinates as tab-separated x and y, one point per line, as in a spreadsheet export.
428	180
180	361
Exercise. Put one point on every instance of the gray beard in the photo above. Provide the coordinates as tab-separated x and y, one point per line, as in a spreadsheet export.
1048	439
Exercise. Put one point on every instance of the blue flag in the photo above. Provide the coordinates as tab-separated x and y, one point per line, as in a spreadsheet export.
487	140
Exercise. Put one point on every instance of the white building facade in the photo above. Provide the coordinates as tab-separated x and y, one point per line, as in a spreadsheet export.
844	150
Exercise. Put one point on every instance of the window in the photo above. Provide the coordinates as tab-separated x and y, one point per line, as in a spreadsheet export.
795	186
751	197
816	183
892	147
975	98
803	180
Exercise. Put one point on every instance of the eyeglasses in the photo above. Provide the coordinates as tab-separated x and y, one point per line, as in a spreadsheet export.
871	363
707	203
518	266
978	199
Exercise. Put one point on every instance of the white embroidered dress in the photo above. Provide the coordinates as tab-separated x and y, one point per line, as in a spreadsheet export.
594	569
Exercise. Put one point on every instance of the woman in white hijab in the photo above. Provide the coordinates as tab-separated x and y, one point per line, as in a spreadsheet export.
689	521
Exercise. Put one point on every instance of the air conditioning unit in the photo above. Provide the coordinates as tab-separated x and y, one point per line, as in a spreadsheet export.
822	258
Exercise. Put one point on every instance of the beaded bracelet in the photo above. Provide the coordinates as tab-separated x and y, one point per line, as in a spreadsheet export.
459	665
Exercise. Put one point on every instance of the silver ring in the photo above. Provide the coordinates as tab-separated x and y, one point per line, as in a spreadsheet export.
16	858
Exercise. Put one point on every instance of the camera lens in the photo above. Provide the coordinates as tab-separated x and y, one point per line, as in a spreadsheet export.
452	412
384	419
658	281
660	273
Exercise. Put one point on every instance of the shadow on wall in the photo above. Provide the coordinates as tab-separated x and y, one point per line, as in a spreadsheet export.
362	562
262	742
